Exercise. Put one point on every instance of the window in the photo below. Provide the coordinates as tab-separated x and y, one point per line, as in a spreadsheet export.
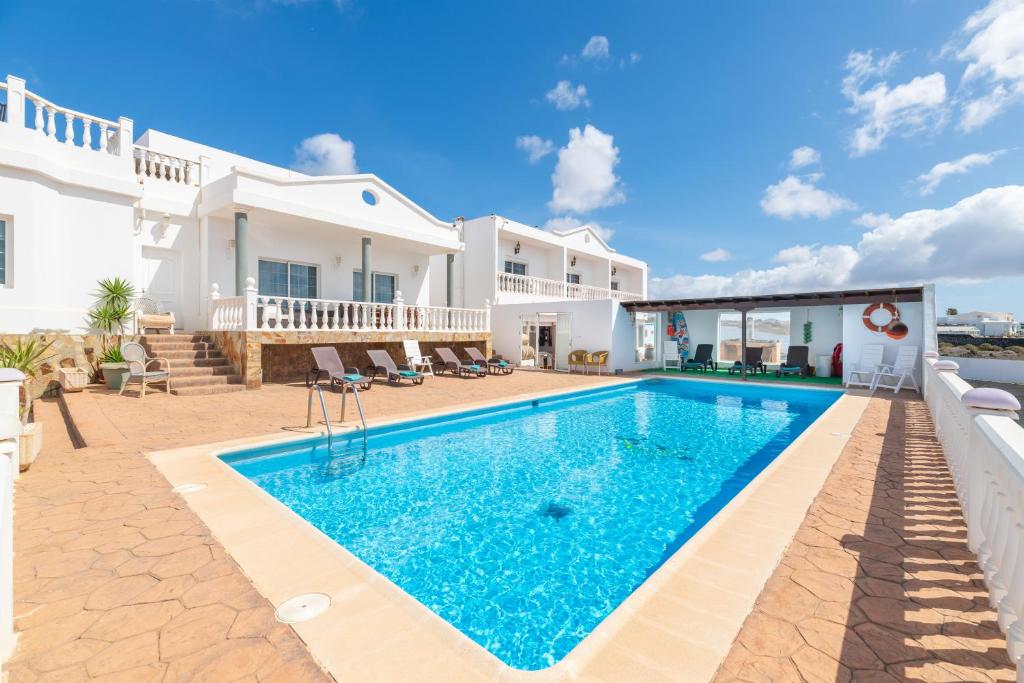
767	329
515	267
384	287
615	285
572	278
283	278
4	249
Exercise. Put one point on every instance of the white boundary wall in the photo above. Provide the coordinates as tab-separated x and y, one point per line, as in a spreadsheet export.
991	369
985	453
10	427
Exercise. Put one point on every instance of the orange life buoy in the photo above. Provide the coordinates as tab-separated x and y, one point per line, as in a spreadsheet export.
894	316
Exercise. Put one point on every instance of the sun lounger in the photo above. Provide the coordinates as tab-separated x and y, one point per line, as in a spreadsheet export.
328	363
451	363
495	365
796	362
753	361
701	359
395	373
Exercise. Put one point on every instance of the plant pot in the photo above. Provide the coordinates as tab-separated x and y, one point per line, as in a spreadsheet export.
114	374
30	444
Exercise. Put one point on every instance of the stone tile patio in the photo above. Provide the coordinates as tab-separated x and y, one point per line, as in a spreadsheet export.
116	579
878	583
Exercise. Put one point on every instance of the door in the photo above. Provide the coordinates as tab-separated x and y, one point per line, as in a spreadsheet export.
563	341
161	279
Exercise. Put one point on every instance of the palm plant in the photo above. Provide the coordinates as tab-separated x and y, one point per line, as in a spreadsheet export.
113	308
28	357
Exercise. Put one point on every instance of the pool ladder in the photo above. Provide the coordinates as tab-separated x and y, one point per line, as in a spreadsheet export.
327	421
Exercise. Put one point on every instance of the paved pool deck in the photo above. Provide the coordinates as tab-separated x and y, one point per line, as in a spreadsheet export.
118	579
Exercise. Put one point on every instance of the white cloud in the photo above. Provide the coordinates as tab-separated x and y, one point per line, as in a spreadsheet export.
804	156
563	223
326	154
905	109
536	147
978	238
930	180
565	96
584	178
994	53
596	48
794	196
716	255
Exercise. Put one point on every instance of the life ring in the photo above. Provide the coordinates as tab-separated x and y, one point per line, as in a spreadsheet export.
894	316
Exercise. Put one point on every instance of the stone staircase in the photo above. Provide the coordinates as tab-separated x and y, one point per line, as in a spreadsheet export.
198	367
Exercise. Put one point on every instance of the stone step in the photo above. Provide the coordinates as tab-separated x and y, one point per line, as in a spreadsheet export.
201	370
204	380
174	338
206	390
210	354
160	347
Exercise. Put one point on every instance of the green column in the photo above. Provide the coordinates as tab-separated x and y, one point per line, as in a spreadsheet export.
367	270
241	251
449	273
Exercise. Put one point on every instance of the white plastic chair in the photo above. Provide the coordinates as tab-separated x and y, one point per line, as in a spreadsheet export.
863	373
417	360
899	373
670	356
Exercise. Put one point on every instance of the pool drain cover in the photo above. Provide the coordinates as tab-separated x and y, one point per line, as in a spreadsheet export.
188	488
302	608
556	511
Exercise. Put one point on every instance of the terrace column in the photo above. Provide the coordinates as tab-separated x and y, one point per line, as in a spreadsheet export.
367	269
449	273
241	251
743	345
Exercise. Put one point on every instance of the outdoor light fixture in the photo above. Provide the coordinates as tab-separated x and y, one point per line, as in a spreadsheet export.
614	270
573	262
337	261
415	268
518	247
165	222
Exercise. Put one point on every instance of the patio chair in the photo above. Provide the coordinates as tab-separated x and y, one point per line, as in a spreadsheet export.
863	373
328	362
578	358
149	315
670	356
451	363
138	368
900	372
753	361
395	373
701	359
415	359
598	360
495	365
796	362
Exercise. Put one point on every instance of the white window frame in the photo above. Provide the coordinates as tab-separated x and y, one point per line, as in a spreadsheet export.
289	263
374	273
8	281
577	275
517	261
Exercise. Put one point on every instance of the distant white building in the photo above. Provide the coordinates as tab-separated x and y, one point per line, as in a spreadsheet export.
987	323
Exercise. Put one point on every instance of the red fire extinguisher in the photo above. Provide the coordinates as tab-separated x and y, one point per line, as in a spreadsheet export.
837	360
671	330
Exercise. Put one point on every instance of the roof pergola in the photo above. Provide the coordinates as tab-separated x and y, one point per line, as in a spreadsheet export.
745	304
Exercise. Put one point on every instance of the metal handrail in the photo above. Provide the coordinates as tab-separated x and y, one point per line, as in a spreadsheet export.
316	386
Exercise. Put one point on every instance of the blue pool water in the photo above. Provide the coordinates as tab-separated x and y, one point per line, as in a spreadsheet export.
524	527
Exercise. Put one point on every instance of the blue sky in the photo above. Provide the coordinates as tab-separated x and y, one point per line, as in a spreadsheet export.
686	118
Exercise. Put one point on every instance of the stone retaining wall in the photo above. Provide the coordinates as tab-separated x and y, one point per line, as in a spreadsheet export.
67	350
964	339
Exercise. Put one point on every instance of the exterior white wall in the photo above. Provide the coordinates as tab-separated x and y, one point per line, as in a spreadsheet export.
702	327
990	369
480	261
827	329
856	335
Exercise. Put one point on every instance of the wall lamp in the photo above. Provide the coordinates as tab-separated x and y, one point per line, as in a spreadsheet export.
518	247
573	262
614	270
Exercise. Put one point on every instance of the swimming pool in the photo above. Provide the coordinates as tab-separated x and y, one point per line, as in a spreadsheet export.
525	526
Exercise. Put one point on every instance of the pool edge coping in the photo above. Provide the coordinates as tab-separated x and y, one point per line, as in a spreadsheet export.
603	647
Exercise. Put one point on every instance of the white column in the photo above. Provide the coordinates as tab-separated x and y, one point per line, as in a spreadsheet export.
204	267
15	102
250	304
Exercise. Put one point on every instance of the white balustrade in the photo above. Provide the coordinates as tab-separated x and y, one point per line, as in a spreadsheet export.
528	285
255	311
984	448
45	123
150	164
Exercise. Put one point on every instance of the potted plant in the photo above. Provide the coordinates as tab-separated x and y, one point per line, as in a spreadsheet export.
109	315
28	357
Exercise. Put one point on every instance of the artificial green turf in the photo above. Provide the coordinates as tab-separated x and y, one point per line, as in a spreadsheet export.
769	376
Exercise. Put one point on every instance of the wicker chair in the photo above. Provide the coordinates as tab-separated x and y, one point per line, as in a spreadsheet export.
138	368
148	315
596	360
578	359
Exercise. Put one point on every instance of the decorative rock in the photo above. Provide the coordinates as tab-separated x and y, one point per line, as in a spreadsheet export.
946	366
990	399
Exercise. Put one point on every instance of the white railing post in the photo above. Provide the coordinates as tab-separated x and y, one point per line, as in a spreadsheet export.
249	305
399	322
125	137
213	310
15	102
487	316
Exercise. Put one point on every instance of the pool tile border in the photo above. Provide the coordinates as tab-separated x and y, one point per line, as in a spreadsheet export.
375	631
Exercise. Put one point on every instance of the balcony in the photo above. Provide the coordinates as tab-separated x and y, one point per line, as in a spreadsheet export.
542	288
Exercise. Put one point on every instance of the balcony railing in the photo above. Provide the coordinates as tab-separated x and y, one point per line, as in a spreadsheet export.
527	285
255	311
